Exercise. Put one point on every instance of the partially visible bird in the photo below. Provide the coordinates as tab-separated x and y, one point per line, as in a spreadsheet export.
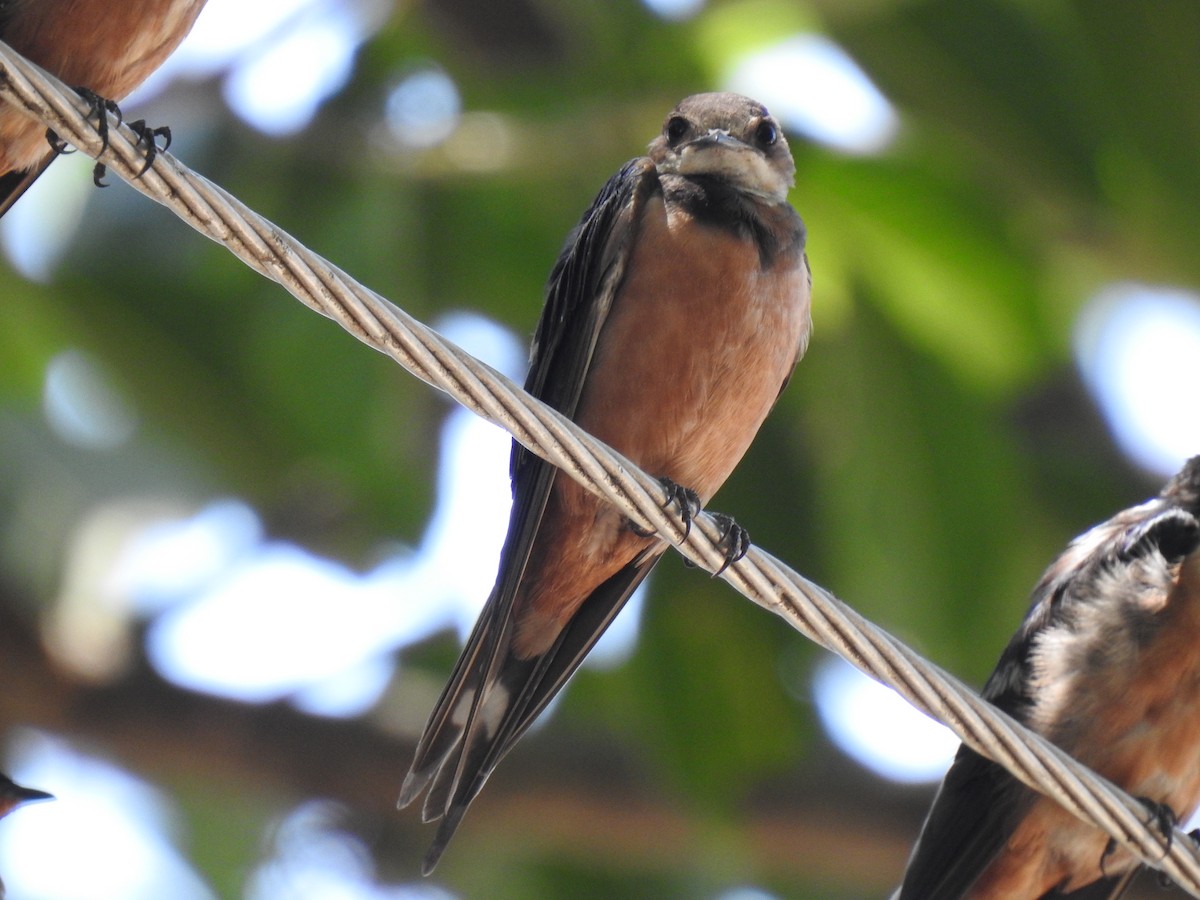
13	795
107	47
673	319
1106	665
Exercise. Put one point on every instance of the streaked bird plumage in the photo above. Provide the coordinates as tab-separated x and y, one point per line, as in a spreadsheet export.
1106	665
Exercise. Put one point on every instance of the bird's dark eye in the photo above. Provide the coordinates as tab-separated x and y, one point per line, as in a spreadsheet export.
766	133
677	127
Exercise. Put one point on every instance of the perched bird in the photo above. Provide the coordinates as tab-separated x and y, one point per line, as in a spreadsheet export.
1106	665
673	319
13	795
106	48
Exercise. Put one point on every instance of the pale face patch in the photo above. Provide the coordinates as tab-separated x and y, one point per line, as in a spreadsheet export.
732	161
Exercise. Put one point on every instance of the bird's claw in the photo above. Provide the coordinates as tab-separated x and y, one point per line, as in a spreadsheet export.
735	541
148	136
100	108
57	144
1164	880
1163	818
686	499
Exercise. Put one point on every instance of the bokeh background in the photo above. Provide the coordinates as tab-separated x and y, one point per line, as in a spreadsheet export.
239	551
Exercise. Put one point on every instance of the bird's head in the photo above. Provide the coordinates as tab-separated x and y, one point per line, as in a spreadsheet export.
730	138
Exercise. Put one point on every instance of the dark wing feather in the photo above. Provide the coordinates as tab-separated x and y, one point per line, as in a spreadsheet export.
533	684
973	815
979	804
461	746
580	292
13	185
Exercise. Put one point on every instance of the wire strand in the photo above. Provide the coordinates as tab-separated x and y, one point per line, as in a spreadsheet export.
807	607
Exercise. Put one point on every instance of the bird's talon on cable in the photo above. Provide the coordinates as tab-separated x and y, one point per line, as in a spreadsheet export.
1165	881
1161	816
686	499
57	144
1164	818
100	108
148	136
735	541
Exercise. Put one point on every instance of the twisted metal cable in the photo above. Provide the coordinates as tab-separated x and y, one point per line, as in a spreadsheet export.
807	607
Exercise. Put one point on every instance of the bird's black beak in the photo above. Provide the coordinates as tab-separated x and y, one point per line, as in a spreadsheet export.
717	138
29	795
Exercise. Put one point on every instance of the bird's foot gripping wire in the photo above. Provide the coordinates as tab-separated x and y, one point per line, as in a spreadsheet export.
1161	816
149	137
686	499
735	541
1164	880
100	108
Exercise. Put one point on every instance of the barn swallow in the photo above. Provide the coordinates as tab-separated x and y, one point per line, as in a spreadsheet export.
1106	665
105	49
13	795
673	319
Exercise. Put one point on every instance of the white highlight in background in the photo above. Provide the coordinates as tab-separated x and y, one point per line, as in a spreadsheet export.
83	406
314	860
284	57
674	10
260	620
101	838
423	109
878	728
812	85
1138	348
